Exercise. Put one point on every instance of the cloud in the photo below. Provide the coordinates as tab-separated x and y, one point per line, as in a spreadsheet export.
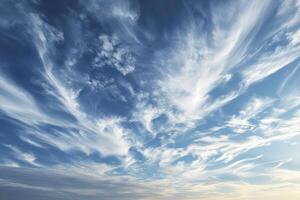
112	54
23	156
19	104
195	66
241	123
98	131
39	183
143	100
270	64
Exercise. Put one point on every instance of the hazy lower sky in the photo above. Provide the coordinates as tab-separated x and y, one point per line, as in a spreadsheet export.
150	99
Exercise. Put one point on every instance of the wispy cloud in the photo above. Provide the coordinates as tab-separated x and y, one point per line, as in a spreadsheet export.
147	100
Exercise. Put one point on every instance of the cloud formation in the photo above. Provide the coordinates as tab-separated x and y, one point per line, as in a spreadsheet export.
150	100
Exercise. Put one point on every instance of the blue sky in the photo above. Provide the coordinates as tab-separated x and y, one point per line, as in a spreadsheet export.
149	100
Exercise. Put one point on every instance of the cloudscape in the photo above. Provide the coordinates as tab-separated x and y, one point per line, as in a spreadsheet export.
149	99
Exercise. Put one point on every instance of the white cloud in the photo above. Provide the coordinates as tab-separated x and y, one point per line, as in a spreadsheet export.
294	38
106	135
193	68
9	163
24	156
113	53
241	123
19	104
270	64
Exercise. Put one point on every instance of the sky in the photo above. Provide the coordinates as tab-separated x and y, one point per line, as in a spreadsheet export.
150	99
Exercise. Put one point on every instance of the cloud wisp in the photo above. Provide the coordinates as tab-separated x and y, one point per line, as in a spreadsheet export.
145	100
